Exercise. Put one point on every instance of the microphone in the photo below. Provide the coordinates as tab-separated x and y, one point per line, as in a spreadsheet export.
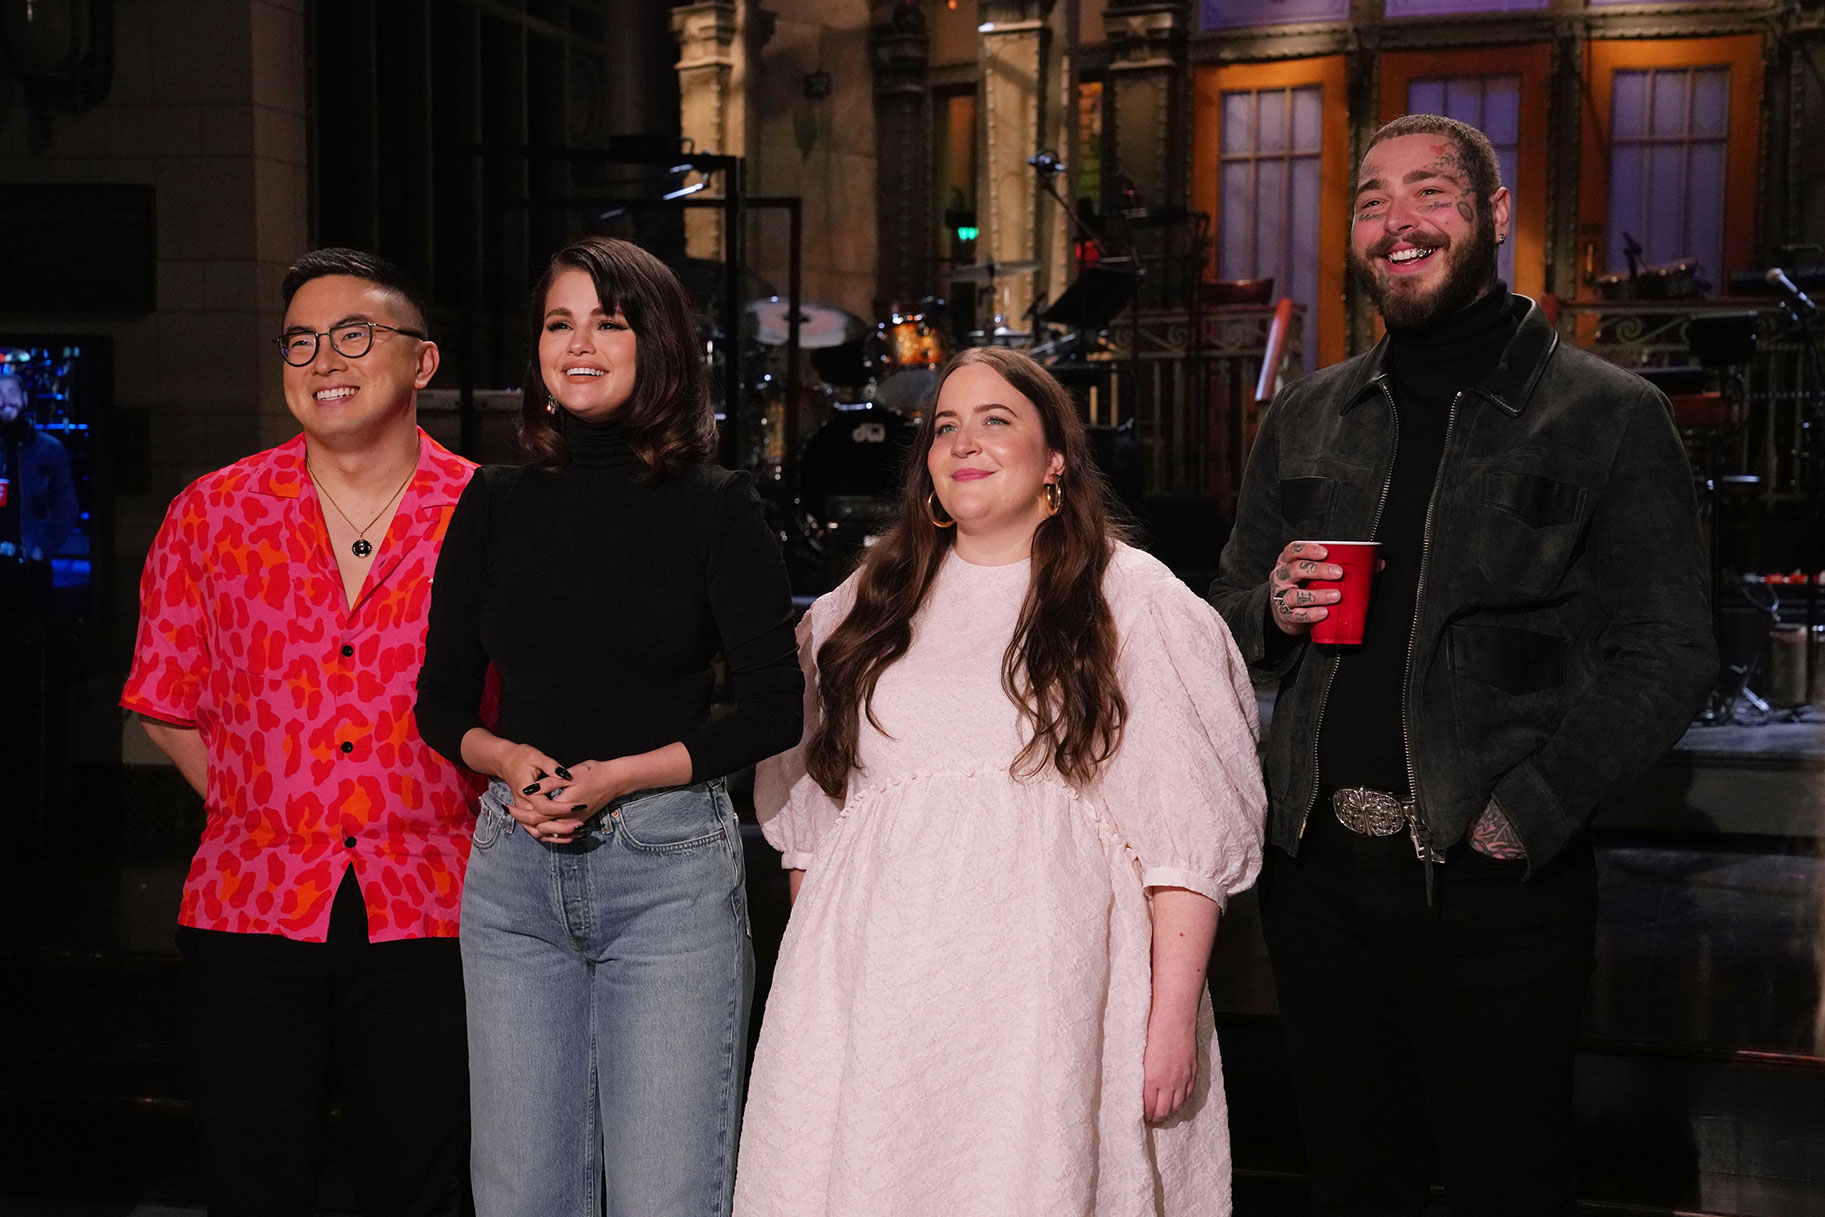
1046	162
1796	299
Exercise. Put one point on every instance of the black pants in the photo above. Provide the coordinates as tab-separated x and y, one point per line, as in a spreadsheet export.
1414	1031
280	1029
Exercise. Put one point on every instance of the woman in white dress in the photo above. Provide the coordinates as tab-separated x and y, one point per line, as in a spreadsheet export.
1026	787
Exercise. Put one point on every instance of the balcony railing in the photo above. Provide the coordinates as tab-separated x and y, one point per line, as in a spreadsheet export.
1191	389
1768	440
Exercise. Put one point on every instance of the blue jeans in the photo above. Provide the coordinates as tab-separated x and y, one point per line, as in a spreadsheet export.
608	984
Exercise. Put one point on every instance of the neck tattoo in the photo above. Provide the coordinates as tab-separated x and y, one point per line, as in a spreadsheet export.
361	547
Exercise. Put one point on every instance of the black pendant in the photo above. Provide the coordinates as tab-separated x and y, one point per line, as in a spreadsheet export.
361	548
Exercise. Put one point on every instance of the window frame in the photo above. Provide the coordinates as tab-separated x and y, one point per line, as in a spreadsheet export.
1742	54
1331	73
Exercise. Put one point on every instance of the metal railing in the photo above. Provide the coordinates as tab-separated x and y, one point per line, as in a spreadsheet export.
1769	441
1193	389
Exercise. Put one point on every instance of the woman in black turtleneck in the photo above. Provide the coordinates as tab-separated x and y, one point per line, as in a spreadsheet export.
605	949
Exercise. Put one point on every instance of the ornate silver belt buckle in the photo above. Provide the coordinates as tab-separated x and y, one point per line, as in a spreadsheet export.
1370	813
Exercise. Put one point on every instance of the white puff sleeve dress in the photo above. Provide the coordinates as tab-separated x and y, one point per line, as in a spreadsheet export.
957	1021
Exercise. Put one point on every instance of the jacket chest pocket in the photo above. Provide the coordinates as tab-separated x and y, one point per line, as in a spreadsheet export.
1530	530
1305	505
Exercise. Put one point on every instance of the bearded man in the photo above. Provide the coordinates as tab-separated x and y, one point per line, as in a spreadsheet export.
1538	637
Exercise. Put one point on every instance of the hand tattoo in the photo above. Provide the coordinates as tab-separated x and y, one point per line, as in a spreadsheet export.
1493	836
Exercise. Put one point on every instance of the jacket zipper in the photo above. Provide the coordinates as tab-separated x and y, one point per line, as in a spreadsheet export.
1324	696
1406	684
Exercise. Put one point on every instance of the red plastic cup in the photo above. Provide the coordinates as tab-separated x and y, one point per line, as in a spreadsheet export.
6	491
1347	617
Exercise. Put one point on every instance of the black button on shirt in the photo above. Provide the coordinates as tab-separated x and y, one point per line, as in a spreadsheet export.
347	651
347	747
349	841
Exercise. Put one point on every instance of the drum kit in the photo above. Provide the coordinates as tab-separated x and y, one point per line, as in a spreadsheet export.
870	385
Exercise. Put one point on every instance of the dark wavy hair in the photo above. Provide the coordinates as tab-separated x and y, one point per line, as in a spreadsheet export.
1060	666
668	419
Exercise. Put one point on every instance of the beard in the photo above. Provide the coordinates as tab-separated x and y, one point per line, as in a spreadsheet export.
1470	272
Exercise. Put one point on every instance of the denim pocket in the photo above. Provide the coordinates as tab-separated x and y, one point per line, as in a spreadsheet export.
490	820
673	821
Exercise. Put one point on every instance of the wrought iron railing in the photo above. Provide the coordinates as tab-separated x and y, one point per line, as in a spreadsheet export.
1191	388
1768	440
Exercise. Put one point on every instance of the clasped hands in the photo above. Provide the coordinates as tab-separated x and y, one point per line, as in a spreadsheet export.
553	802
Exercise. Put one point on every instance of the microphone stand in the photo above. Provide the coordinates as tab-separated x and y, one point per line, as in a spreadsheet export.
1048	178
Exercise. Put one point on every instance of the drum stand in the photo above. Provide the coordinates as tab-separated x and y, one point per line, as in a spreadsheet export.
1802	323
1723	344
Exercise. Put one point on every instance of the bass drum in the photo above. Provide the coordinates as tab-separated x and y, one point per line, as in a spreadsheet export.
848	479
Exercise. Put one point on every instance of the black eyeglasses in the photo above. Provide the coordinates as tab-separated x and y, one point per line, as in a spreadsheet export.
351	341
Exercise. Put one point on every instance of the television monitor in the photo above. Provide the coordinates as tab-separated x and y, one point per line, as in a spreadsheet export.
55	396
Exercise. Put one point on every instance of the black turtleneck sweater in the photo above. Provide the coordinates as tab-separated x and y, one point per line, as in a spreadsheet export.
1361	742
602	599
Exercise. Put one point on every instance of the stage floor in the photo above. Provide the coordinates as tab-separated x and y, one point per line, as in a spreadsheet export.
1710	948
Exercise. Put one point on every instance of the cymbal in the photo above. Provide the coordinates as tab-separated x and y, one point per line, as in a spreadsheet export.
819	325
1000	336
982	272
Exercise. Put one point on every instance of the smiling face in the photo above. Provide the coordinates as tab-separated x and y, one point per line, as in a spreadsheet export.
12	398
351	403
989	455
587	356
1422	243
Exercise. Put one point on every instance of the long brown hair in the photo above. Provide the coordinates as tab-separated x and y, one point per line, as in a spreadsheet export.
1059	668
668	419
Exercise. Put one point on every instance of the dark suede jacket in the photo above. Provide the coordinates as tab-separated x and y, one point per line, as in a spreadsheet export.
1563	632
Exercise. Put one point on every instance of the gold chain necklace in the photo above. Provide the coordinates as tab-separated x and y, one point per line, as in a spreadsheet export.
361	547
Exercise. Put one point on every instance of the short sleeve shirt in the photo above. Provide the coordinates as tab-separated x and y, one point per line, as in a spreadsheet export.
304	703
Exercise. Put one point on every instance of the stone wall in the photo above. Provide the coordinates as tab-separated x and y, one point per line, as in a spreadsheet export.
822	149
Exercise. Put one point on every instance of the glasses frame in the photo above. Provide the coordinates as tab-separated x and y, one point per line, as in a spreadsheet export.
283	341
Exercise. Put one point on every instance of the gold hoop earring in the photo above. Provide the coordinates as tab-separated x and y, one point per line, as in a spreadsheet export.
1054	495
931	512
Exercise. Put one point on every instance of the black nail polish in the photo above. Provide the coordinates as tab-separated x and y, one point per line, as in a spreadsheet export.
564	773
532	789
582	807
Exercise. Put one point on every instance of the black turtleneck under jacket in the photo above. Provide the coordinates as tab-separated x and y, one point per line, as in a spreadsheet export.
1360	741
602	597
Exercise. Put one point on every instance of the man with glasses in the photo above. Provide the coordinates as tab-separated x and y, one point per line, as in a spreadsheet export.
282	620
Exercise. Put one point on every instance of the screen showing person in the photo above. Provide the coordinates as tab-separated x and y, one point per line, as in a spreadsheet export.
47	468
